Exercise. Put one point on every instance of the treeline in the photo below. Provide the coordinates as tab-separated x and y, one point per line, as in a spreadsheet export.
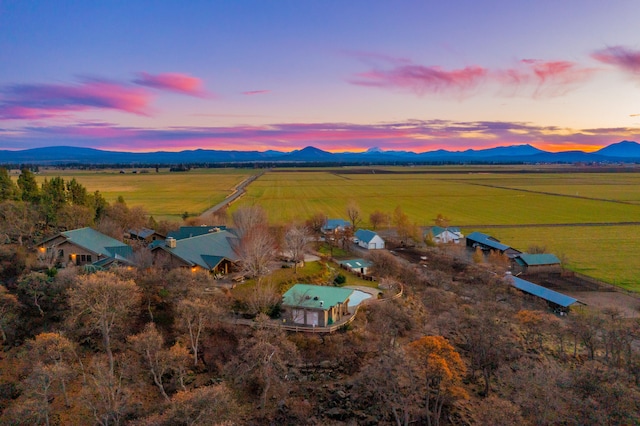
29	211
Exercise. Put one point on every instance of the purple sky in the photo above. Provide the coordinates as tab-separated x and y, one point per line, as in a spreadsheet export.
338	75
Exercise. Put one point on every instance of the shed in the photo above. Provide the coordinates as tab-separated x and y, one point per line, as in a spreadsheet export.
537	263
441	235
315	305
555	299
356	265
335	225
489	243
368	239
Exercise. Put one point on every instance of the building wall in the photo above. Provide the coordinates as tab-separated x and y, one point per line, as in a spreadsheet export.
68	253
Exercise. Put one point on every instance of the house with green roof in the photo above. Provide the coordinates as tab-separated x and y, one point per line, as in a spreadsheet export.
444	235
544	263
86	246
315	305
212	251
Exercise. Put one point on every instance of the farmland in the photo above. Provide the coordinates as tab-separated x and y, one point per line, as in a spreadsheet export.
592	209
164	195
590	219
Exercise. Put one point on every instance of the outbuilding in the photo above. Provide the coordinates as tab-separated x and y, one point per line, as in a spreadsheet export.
368	239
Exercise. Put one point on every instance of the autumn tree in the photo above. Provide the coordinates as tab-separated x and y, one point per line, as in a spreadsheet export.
440	368
9	310
104	302
378	219
18	221
478	255
316	223
296	242
205	405
442	221
354	214
56	356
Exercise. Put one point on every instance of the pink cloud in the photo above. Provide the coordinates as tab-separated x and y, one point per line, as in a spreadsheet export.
414	135
29	101
422	80
256	92
539	78
173	82
624	58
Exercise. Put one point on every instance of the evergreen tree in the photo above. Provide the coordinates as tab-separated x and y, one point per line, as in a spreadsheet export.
28	186
8	188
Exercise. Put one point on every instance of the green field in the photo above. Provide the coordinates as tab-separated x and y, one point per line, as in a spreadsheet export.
472	200
165	195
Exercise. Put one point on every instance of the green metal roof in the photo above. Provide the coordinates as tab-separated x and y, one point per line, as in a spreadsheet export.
206	250
194	231
356	263
539	259
315	296
97	242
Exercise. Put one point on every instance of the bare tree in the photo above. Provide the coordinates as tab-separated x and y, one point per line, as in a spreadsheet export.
106	393
194	317
104	302
149	345
354	214
247	218
296	242
256	250
265	360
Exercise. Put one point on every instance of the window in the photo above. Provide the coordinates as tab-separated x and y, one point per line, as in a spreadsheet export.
88	258
83	258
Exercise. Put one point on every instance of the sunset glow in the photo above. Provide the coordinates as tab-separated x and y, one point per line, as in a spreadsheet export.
341	77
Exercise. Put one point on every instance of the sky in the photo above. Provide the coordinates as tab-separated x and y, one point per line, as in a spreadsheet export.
339	75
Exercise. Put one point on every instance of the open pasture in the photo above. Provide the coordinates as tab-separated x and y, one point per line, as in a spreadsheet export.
165	195
472	200
467	199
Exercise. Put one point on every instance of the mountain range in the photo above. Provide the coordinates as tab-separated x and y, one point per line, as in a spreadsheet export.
625	152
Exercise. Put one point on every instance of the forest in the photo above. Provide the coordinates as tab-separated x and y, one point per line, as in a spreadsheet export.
156	346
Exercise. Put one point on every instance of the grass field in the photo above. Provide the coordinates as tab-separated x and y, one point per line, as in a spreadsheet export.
475	199
165	195
472	197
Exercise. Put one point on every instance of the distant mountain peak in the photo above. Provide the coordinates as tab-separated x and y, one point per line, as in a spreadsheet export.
623	149
374	150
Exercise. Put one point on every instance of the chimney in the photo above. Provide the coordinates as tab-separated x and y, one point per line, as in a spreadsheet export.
171	242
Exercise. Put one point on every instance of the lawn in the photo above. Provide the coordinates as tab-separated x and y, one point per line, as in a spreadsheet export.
165	195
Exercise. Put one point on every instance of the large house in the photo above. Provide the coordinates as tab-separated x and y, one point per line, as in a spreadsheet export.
315	305
145	235
368	239
86	246
441	235
213	250
488	243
